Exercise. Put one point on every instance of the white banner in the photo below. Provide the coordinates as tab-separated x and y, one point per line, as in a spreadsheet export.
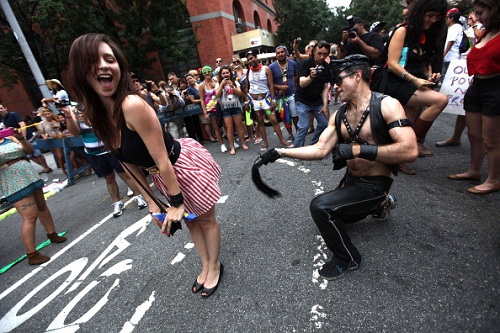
455	84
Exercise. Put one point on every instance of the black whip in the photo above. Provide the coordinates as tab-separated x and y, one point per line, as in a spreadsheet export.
259	183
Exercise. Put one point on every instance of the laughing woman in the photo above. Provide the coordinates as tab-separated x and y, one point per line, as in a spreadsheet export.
183	170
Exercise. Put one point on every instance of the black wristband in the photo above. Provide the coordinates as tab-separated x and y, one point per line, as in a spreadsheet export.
177	200
368	152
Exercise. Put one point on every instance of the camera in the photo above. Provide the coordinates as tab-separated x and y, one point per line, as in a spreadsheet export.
148	85
319	69
62	102
353	32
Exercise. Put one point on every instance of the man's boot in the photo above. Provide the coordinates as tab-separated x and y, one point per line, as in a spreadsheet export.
35	258
55	238
421	127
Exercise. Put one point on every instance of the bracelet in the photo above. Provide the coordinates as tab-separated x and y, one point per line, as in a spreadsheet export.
177	200
68	117
404	74
283	152
411	79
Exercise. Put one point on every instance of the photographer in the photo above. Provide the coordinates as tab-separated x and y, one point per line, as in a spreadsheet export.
357	40
60	96
312	93
173	102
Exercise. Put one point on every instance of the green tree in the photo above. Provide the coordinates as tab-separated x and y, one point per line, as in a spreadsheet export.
308	19
50	26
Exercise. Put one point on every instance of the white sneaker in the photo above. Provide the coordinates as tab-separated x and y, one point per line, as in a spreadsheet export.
236	145
117	209
130	192
223	148
141	203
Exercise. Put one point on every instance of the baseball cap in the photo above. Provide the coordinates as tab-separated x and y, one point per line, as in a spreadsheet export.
377	26
354	19
452	10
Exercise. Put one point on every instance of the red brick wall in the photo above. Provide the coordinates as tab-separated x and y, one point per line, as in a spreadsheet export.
214	36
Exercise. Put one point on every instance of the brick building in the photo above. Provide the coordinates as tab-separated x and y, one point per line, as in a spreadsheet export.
219	25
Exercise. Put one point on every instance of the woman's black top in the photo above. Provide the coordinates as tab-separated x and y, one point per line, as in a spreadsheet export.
134	151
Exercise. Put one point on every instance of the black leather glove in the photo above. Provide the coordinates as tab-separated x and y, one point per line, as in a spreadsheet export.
269	156
342	152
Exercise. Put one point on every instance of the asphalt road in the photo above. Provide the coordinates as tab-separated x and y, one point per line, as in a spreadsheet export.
433	267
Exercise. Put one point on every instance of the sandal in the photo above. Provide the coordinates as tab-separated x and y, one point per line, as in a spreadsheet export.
257	141
263	148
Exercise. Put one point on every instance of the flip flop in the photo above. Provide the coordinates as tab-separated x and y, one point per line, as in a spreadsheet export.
457	176
263	148
475	190
257	141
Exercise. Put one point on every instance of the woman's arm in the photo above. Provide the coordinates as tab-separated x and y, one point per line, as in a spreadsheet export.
140	117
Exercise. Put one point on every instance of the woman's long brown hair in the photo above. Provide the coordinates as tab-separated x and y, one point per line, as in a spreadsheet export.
83	60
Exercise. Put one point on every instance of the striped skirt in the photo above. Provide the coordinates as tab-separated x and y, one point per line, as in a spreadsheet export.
198	177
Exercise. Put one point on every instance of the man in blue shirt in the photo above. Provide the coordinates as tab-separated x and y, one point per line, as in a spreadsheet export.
285	78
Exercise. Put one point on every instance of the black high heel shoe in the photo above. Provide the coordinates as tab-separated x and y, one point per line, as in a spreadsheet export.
196	286
207	292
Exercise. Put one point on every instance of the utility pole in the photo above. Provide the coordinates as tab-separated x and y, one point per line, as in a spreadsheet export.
18	33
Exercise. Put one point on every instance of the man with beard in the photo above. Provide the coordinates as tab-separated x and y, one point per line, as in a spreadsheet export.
370	135
285	78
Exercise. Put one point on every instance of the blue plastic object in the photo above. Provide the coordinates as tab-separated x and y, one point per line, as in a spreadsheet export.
187	216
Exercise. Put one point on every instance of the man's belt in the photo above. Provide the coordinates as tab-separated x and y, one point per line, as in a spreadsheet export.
258	96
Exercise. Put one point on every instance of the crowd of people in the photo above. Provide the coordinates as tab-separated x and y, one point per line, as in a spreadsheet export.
387	84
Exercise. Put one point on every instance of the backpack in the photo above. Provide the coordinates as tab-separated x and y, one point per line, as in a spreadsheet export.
464	44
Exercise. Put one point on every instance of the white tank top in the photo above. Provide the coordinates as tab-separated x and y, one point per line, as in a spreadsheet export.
258	81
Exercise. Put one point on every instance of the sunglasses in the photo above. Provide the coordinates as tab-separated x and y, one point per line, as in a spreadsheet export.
338	80
235	62
218	61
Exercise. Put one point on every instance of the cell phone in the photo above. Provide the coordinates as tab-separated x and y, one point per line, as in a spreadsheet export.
148	85
7	132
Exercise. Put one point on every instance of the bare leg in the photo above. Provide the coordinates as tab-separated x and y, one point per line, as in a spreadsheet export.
477	150
491	142
457	133
261	128
113	189
230	134
241	132
44	213
205	233
29	213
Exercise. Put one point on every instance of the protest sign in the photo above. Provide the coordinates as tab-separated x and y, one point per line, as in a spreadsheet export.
455	84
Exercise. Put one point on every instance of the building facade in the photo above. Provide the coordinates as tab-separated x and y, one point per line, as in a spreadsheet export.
222	27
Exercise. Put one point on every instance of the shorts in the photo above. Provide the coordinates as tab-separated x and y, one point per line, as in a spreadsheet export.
399	88
232	112
212	115
203	119
104	164
292	106
483	96
261	104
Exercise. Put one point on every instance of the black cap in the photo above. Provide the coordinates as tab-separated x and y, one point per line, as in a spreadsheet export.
354	19
340	65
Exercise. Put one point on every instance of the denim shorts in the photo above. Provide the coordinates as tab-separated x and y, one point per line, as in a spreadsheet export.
483	96
232	112
104	164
